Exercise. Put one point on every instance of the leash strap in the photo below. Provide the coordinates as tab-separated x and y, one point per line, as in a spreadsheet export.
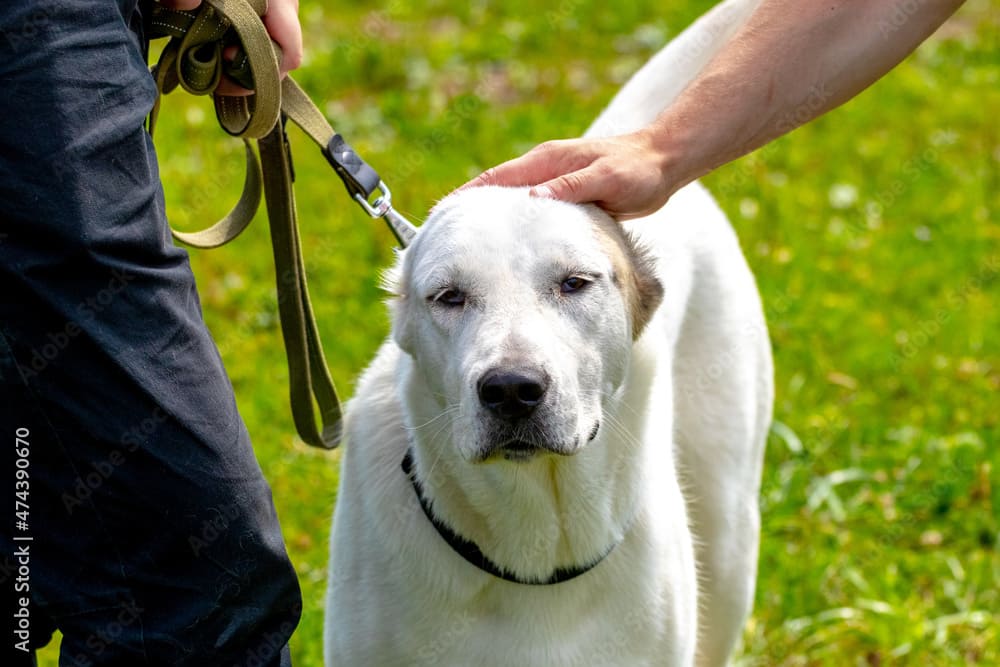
193	60
308	374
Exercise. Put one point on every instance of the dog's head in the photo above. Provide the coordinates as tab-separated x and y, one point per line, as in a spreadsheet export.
519	314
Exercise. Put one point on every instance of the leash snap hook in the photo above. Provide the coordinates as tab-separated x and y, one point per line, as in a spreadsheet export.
401	228
361	182
381	205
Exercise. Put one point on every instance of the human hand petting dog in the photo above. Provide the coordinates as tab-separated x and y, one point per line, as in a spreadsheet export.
626	175
282	22
792	61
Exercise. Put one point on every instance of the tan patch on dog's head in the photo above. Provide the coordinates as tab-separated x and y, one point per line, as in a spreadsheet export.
635	272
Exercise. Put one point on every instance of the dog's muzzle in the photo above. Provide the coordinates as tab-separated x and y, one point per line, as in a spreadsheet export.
512	394
511	397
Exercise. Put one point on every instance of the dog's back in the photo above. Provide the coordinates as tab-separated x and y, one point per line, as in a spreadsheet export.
722	381
722	348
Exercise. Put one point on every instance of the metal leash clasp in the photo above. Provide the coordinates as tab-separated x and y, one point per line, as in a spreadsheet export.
361	181
381	205
401	228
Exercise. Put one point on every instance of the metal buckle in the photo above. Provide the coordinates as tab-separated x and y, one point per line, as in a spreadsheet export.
382	204
401	228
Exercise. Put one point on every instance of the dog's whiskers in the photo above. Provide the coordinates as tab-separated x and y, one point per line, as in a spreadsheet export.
615	424
434	436
446	412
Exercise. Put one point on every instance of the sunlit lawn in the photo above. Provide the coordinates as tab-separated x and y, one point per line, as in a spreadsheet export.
873	233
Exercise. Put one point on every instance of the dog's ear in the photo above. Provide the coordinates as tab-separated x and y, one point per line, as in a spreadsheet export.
392	283
402	323
643	291
634	271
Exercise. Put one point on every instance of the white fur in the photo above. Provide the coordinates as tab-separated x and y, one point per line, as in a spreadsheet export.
671	477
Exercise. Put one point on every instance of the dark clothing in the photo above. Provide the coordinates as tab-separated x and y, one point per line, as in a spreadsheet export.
153	536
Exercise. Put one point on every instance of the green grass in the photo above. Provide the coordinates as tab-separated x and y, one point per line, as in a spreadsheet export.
872	232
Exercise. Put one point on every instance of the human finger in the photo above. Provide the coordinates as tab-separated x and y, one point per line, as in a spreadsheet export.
183	5
282	23
226	85
581	186
542	163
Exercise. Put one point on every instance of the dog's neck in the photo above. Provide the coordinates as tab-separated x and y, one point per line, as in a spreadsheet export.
552	512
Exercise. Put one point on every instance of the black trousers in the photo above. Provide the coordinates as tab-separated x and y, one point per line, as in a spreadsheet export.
135	516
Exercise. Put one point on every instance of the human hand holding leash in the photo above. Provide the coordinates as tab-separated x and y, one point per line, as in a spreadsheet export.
792	61
282	22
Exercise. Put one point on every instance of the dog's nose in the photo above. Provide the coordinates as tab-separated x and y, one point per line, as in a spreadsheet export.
512	394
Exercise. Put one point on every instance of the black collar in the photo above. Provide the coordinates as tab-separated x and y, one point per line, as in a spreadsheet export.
471	552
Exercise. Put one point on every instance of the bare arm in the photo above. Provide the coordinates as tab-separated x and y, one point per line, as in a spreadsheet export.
792	61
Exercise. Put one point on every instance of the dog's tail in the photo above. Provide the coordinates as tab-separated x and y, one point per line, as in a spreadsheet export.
654	87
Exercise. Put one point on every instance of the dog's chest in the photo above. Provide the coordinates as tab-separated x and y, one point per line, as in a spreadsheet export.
602	619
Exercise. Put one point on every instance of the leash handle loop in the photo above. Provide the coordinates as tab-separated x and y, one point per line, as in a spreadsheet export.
193	60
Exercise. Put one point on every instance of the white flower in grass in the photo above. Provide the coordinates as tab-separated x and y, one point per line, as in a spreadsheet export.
843	195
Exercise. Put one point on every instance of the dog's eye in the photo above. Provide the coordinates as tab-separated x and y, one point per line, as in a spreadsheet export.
449	297
573	284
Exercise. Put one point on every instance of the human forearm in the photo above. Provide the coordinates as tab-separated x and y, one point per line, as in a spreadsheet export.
792	61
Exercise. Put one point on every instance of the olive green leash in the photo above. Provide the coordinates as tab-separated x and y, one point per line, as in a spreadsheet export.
193	60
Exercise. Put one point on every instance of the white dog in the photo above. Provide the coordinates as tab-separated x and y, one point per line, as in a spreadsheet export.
555	459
